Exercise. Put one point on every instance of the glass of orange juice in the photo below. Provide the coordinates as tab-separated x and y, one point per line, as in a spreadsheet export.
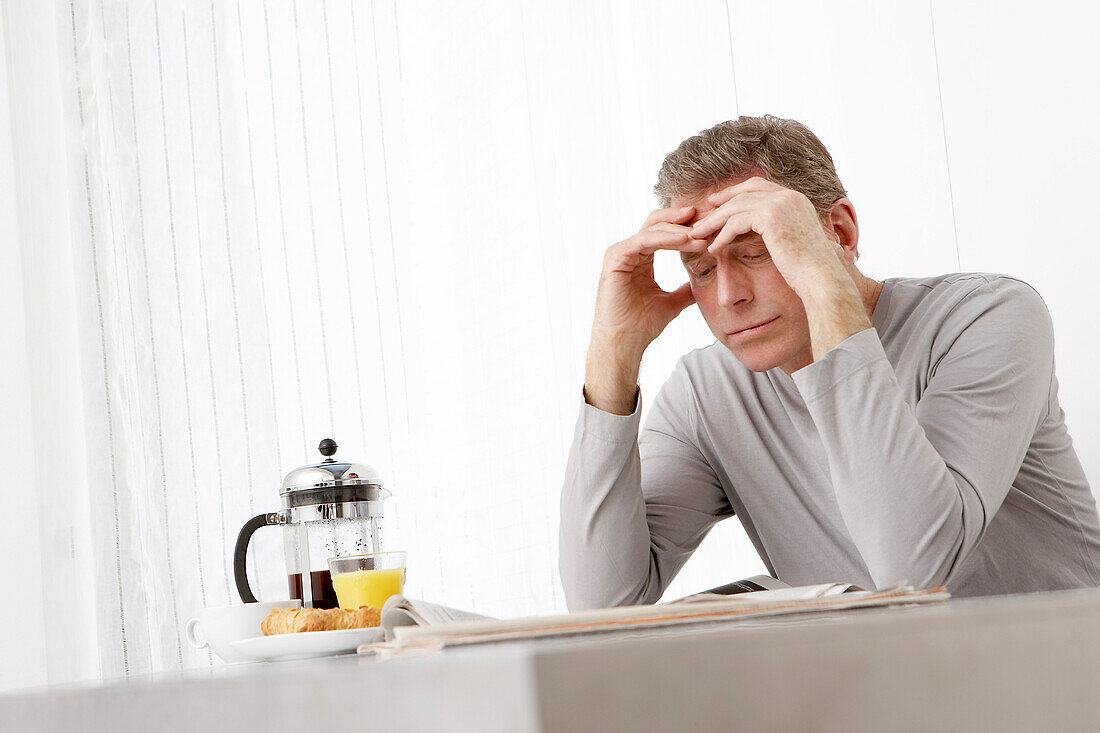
367	580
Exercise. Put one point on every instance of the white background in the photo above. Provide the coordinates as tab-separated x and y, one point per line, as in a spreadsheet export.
526	141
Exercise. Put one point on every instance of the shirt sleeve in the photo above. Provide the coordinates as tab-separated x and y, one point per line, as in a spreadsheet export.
917	488
633	509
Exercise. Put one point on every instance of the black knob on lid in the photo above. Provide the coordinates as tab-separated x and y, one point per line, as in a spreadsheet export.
327	447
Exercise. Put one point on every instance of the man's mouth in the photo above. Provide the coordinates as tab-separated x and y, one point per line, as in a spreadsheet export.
754	329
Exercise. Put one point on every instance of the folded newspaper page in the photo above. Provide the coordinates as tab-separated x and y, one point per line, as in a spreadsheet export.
414	625
765	583
756	582
404	611
803	593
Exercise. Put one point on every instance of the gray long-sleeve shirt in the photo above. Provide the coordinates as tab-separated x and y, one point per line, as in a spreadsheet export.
930	448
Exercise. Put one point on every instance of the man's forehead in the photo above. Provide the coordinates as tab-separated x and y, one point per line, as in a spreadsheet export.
746	238
699	197
699	201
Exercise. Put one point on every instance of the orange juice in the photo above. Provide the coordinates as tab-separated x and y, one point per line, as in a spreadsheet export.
367	587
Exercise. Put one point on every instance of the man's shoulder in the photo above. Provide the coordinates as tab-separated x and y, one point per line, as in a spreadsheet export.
959	295
962	284
935	313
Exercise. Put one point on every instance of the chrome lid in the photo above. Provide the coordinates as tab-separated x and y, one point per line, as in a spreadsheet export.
332	481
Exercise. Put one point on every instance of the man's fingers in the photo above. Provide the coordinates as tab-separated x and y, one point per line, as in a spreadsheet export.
658	237
682	297
734	227
676	243
756	183
664	226
674	216
744	195
715	220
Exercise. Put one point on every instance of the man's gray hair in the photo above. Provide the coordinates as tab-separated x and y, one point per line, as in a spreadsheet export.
785	150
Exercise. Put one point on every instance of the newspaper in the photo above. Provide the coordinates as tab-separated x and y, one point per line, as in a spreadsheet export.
756	582
776	590
404	611
411	625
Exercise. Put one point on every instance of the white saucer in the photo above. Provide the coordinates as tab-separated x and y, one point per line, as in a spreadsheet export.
305	644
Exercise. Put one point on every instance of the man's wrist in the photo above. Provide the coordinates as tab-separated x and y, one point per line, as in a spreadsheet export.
614	403
835	312
611	377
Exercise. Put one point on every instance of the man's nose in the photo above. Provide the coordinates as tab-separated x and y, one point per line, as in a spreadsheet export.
734	286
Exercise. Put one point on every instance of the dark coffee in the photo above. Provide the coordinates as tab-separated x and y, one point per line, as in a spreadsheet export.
320	581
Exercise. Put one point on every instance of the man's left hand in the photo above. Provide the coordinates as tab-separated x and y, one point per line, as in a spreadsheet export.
800	248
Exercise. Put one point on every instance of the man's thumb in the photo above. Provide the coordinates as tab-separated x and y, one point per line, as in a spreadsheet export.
682	297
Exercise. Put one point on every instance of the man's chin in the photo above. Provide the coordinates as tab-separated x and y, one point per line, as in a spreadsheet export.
753	359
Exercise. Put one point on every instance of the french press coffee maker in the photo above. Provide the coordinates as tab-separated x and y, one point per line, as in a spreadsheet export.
330	509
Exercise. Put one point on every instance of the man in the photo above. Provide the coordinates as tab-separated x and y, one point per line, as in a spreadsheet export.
863	431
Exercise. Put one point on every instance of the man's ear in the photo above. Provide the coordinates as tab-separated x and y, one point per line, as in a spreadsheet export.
842	226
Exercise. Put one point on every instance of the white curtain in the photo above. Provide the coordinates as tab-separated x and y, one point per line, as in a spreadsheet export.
284	221
297	220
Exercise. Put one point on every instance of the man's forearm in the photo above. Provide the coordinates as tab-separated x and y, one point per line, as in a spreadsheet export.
900	504
604	540
611	376
835	310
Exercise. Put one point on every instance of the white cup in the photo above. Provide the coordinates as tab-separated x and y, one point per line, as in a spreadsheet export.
222	625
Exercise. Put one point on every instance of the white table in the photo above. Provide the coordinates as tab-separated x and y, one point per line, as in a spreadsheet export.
1024	663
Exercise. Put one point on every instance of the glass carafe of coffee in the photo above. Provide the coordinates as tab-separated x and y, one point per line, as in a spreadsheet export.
330	509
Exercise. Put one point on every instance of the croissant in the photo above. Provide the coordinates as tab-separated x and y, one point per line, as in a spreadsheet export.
293	620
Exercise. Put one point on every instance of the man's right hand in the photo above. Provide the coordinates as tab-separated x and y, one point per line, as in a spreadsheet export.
632	310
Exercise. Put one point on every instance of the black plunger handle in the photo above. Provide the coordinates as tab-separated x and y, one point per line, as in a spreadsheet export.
240	573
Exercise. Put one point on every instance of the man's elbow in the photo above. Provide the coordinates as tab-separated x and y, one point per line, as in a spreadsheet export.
585	589
933	561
